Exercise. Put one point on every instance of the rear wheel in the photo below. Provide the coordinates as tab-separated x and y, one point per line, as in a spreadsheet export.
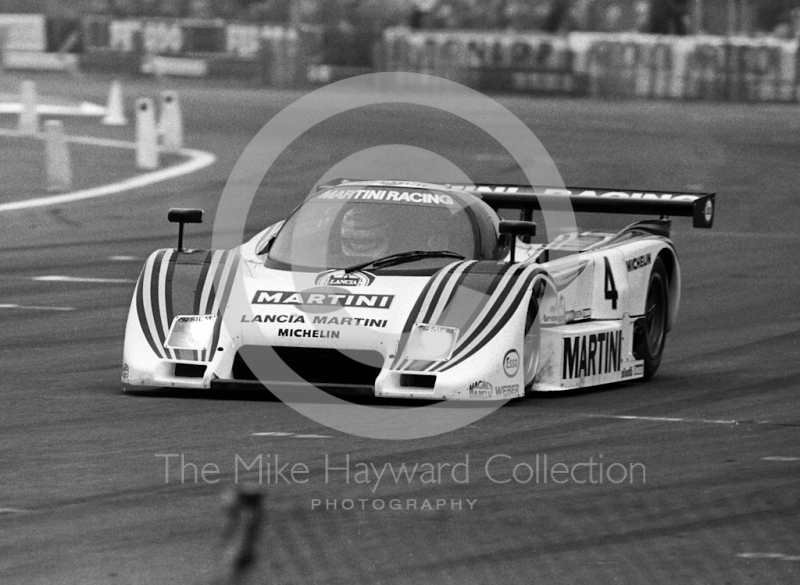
653	330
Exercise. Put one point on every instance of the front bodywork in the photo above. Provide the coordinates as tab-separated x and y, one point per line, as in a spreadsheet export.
584	338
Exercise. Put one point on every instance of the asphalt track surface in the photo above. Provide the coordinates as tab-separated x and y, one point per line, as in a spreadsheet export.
84	498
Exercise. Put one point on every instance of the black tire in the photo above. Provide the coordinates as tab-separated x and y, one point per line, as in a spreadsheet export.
653	331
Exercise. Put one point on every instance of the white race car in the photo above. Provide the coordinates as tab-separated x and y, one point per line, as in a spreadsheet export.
413	290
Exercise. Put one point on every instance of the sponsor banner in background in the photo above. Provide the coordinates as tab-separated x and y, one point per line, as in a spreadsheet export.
481	58
273	55
603	64
30	61
177	66
24	32
698	67
167	37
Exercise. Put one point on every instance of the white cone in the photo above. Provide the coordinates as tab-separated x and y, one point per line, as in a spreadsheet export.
146	135
57	159
115	108
170	125
28	124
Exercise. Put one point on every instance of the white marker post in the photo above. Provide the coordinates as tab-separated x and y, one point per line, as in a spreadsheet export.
170	124
57	160
146	135
28	124
115	108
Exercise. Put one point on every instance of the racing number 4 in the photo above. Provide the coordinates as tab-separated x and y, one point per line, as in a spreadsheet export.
610	288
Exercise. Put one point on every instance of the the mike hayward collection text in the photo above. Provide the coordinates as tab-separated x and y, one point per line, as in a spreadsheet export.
273	469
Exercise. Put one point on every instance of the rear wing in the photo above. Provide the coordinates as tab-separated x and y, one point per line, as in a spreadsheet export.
699	206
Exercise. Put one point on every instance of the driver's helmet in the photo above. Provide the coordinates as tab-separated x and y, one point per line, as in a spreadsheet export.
365	232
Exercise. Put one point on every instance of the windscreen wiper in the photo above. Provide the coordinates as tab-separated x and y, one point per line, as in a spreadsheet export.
403	257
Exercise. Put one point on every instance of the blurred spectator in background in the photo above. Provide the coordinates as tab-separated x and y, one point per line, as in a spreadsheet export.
780	18
668	17
558	17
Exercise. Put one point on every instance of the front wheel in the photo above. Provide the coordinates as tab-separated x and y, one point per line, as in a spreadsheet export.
653	329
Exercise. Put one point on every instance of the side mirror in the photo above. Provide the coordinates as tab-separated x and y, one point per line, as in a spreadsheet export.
517	228
182	216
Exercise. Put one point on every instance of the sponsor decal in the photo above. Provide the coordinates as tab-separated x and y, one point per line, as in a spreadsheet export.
125	372
708	211
627	372
578	315
423	197
552	319
273	319
592	355
619	195
488	189
325	299
406	184
480	389
507	390
355	321
342	278
308	333
511	363
195	318
638	369
639	262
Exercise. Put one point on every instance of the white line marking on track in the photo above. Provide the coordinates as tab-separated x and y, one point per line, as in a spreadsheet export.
58	278
750	235
767	555
272	434
35	308
12	511
292	435
198	159
122	258
778	458
87	109
492	157
667	419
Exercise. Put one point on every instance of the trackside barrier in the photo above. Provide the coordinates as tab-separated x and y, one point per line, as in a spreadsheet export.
170	122
243	518
147	155
57	160
28	122
115	108
623	65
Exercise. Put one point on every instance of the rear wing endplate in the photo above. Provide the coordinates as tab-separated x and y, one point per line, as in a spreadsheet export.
699	206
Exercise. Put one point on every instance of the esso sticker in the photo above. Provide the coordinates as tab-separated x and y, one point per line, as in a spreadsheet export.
511	363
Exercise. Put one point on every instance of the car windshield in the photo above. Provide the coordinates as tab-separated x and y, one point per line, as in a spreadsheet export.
332	232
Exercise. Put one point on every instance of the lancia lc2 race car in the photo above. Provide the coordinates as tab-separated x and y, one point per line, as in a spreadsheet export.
415	290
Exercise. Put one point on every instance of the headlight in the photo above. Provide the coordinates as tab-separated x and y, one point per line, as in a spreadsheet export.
431	342
191	332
